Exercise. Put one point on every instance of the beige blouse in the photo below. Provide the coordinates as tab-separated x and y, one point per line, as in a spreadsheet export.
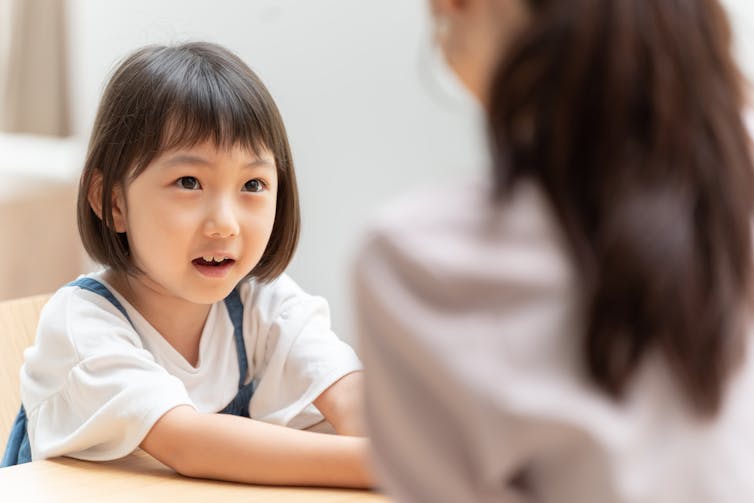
470	334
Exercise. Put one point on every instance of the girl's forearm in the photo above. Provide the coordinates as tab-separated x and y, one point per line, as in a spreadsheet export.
225	447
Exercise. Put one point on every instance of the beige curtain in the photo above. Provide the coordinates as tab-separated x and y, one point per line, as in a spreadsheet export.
33	67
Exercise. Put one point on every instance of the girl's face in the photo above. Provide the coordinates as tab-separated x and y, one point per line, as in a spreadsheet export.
199	219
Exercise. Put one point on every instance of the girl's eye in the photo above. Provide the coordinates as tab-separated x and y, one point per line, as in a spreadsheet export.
188	183
255	185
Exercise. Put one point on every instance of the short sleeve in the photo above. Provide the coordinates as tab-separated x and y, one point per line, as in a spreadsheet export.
297	356
90	389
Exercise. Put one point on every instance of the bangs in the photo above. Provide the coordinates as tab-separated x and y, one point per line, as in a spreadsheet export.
193	99
219	116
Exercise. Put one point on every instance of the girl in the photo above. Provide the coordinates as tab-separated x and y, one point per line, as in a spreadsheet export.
188	197
583	315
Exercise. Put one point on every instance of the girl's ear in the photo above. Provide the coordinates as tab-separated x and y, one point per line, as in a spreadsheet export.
117	201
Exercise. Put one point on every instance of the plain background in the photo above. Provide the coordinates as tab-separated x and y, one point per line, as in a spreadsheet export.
370	110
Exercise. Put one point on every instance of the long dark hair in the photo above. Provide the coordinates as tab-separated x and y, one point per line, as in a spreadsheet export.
629	116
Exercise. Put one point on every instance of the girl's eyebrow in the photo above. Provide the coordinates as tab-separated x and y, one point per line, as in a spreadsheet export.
182	159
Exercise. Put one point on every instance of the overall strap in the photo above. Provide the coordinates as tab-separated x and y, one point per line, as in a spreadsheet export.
235	311
18	448
95	286
239	406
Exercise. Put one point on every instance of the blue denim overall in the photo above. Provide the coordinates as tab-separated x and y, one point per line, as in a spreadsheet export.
18	450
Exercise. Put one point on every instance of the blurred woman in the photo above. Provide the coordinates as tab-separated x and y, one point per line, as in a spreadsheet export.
576	327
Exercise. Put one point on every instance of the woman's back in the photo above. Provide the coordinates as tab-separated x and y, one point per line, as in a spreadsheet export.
577	329
471	318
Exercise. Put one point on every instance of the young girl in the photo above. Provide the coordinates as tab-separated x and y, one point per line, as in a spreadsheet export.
188	197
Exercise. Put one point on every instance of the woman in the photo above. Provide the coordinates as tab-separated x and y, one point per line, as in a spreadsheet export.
576	328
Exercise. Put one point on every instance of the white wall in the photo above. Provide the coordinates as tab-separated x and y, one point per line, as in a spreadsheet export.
741	13
366	114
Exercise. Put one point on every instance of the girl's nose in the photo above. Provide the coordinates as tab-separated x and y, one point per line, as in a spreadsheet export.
221	220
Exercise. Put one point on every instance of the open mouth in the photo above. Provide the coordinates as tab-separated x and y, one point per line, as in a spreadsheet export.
213	261
213	267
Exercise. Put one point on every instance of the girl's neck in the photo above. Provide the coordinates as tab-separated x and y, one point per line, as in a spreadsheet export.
178	321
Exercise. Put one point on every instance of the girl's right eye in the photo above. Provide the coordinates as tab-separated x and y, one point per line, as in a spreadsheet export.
188	183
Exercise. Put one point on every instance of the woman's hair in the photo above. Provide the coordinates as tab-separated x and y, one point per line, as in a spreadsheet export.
629	115
161	98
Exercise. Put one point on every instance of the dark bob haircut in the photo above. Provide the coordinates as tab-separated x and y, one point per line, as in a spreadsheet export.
161	98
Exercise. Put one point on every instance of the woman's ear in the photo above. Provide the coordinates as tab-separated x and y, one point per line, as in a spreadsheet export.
451	22
450	8
117	201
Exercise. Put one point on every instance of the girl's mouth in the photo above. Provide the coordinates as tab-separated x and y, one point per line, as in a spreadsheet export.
213	267
211	261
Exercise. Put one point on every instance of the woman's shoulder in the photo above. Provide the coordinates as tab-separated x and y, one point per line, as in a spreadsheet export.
459	230
429	206
462	207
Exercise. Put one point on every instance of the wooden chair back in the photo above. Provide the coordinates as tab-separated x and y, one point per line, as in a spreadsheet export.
18	326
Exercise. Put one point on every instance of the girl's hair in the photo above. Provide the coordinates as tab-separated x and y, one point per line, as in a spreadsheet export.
629	115
161	98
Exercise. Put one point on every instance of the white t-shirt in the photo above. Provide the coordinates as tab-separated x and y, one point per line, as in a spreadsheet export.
93	387
470	334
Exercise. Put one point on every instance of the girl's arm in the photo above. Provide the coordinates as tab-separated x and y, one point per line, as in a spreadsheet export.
341	404
226	447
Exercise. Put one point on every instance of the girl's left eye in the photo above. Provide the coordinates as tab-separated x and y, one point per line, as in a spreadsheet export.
255	185
188	182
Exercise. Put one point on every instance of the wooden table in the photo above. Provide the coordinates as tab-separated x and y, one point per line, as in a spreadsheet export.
141	478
